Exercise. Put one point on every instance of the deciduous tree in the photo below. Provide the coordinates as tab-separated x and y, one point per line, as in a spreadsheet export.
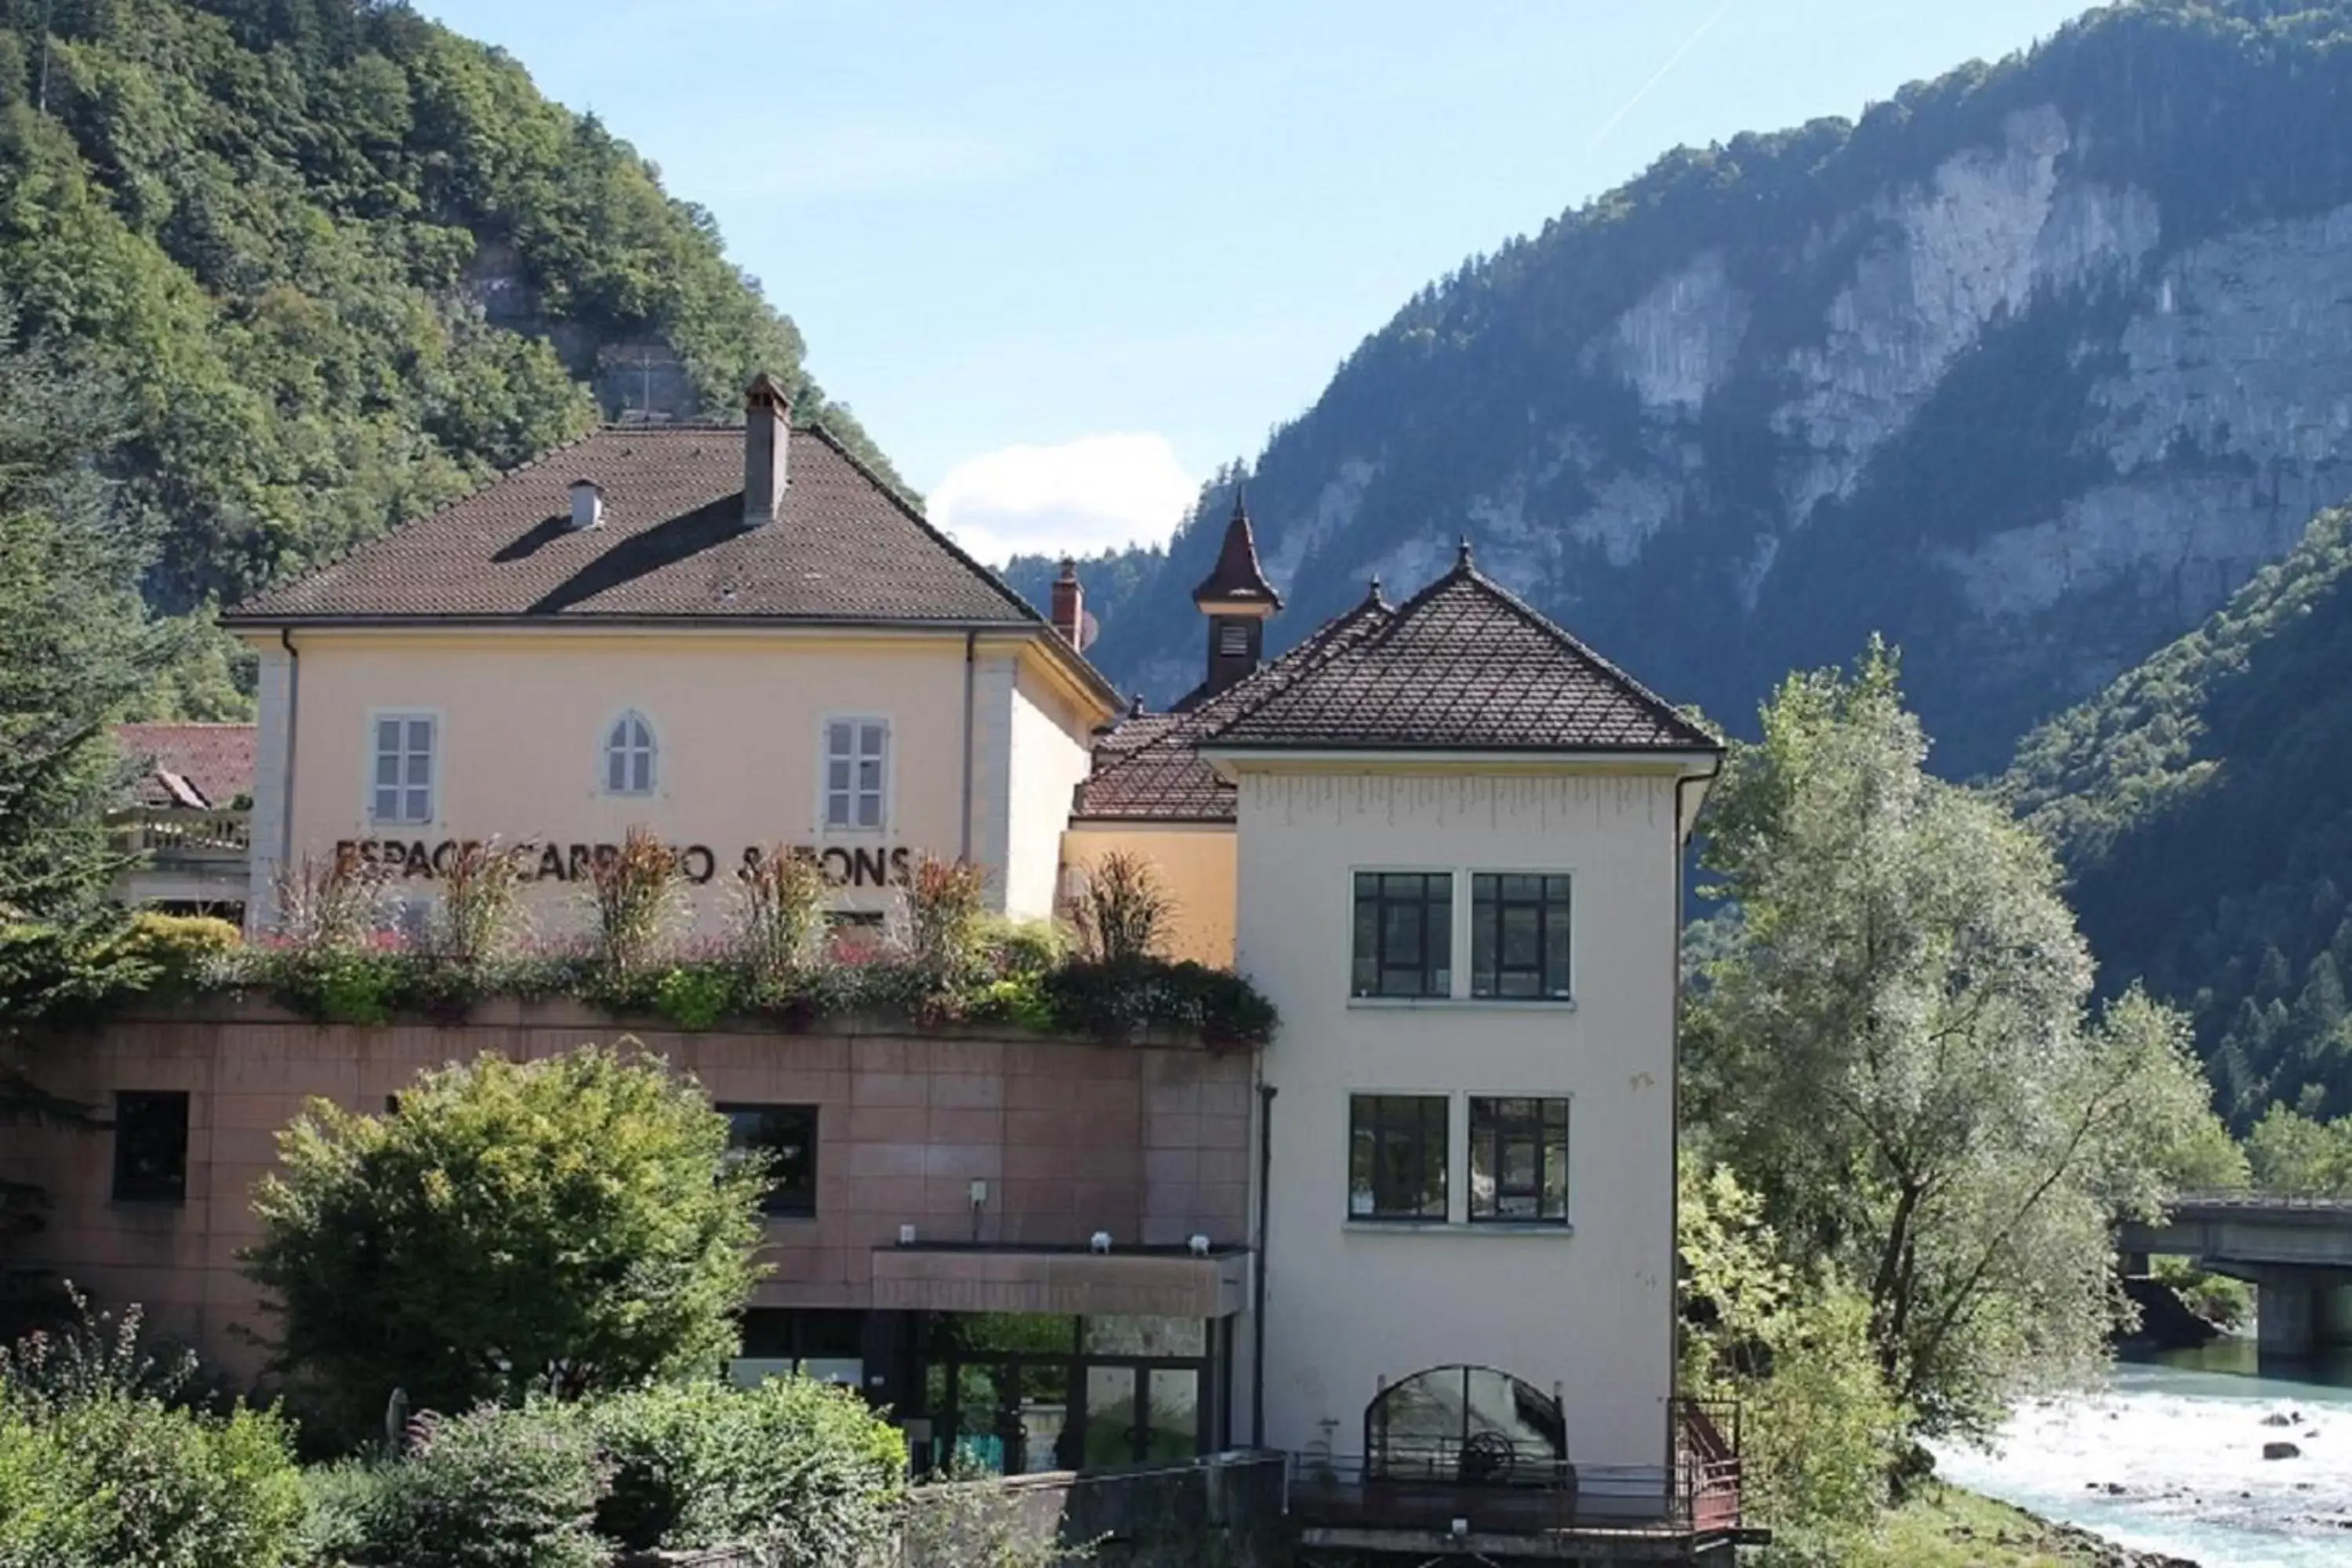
561	1225
1893	1044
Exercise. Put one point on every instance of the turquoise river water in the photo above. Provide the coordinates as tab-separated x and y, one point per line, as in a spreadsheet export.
2168	1458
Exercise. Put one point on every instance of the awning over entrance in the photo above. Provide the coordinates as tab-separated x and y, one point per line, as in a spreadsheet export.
1167	1282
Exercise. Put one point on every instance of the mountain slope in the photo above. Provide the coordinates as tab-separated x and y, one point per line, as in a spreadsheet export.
2203	805
343	265
2028	369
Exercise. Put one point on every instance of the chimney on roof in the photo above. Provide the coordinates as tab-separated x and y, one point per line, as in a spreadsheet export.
1070	616
1238	601
767	450
587	505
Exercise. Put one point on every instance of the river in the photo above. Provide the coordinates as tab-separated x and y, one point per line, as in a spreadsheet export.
2169	1458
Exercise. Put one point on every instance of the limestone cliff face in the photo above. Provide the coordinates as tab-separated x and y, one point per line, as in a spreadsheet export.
2031	401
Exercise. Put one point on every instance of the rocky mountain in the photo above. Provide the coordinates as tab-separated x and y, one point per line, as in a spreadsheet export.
2029	369
341	264
2202	805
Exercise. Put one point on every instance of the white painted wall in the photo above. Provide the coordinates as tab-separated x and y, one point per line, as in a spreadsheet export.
1050	754
1588	1308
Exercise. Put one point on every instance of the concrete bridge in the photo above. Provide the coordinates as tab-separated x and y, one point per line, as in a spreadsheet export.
2295	1252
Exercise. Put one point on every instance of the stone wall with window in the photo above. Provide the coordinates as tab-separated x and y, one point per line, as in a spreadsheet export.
977	1139
1474	1124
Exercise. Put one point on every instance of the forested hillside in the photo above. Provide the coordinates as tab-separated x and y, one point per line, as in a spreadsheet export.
2203	805
2029	369
340	265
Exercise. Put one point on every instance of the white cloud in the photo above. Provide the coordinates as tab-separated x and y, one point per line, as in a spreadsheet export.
1095	493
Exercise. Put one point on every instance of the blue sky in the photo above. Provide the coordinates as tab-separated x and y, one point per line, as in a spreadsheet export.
1066	257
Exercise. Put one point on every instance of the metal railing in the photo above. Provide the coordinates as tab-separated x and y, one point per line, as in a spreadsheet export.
186	838
1493	1489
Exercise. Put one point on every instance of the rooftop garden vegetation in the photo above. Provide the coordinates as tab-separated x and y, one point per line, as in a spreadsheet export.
346	952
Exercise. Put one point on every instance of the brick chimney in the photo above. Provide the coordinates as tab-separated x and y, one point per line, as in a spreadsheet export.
767	450
1070	605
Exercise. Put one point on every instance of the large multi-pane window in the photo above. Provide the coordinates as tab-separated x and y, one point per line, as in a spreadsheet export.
1518	936
150	1146
857	772
1396	1156
1518	1159
1405	934
629	755
787	1136
405	748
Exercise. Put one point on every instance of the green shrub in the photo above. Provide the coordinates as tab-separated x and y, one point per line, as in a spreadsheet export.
346	1510
801	1472
695	997
126	1478
1112	1000
1025	949
180	948
495	1488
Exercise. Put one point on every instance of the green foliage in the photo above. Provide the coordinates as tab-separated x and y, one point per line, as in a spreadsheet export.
346	1510
178	949
76	650
694	998
2216	1297
98	1467
947	919
2301	1156
2202	805
558	1225
1890	1045
1818	1431
778	920
801	1472
1113	1001
490	1489
331	249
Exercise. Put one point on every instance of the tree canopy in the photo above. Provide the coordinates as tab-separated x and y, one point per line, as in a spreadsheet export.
76	650
562	1226
1890	1043
344	265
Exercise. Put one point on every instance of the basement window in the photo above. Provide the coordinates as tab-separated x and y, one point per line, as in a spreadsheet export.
787	1134
150	1146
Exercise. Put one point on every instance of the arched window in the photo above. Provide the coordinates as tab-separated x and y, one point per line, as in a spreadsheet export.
629	755
1466	1424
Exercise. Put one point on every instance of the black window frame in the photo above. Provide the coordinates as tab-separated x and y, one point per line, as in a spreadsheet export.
1431	965
1535	1118
139	1114
1553	901
1413	1118
791	1195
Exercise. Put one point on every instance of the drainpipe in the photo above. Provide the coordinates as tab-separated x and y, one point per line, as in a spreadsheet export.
285	784
1266	1092
1674	1102
971	654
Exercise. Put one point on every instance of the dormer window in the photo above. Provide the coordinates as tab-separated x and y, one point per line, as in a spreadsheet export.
629	755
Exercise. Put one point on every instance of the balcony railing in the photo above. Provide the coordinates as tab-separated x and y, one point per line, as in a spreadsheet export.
185	840
1426	1487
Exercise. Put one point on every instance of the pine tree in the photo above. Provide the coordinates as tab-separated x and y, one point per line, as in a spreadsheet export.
75	648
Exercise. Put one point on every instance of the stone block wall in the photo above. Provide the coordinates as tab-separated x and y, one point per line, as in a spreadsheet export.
1147	1140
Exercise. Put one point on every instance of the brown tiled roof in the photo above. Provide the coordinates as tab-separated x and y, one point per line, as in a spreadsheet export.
844	547
1463	666
1237	578
195	765
1150	768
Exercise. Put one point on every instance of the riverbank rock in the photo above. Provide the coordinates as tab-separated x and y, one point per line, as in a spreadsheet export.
2281	1451
2080	1547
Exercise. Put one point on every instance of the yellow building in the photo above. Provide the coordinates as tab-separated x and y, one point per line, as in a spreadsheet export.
737	638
